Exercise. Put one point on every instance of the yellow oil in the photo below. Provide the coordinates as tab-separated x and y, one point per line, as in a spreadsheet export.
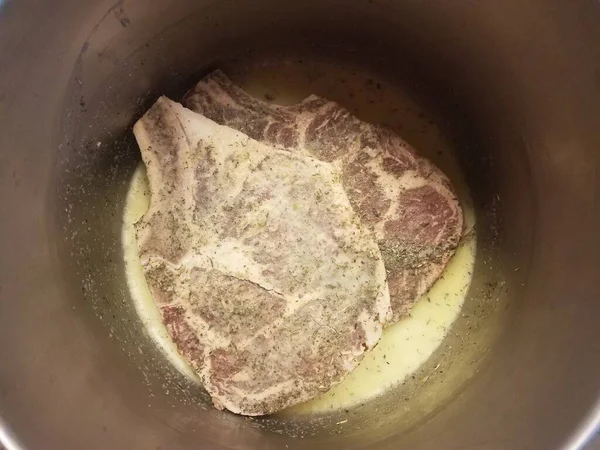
405	346
136	204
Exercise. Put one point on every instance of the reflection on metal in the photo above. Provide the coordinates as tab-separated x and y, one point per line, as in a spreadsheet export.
7	440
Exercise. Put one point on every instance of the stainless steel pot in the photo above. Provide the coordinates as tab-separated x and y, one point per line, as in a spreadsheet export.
515	85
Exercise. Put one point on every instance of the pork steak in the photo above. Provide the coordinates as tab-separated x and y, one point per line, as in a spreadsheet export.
267	281
409	203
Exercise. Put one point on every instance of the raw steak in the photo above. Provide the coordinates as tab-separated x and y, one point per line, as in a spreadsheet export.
266	279
409	203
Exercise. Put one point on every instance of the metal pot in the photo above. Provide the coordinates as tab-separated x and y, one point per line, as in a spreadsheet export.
514	85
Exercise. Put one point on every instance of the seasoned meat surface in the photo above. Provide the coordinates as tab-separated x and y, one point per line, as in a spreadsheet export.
267	280
408	202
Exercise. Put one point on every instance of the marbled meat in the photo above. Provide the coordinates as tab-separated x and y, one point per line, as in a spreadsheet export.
408	202
267	280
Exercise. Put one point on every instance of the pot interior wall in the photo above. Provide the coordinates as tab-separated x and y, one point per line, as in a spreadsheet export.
487	78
